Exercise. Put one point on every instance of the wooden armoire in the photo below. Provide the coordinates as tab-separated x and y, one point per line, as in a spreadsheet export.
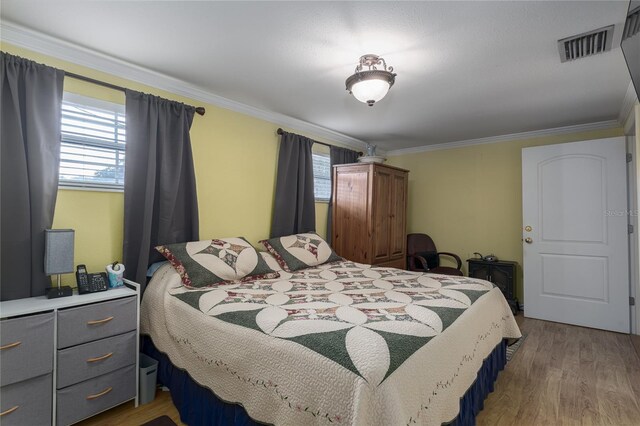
370	214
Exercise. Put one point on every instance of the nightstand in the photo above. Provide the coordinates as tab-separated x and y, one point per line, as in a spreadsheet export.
67	359
501	273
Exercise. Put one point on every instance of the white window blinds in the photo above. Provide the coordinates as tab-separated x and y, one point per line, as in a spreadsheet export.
321	177
93	143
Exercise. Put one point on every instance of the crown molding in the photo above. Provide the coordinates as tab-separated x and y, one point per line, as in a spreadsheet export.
70	52
630	99
600	125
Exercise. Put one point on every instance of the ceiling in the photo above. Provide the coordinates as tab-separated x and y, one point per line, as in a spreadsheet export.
466	70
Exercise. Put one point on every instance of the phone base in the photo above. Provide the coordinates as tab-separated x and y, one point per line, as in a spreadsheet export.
55	292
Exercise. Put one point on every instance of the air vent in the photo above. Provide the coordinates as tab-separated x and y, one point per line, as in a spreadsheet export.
632	25
587	44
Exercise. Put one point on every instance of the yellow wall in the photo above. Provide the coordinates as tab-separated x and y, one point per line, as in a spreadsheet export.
469	199
235	159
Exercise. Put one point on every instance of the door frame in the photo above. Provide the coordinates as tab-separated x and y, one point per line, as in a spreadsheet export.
632	138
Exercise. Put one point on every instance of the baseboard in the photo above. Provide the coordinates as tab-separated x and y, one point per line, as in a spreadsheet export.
635	341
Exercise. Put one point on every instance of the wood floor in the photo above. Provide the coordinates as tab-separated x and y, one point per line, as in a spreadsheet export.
561	375
566	375
128	415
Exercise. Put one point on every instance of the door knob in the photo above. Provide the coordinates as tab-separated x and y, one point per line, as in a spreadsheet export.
528	240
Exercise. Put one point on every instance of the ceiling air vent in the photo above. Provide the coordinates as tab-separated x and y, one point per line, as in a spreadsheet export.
632	25
587	44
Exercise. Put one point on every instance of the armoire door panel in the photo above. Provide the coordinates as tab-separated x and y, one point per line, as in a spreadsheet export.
350	230
398	215
381	214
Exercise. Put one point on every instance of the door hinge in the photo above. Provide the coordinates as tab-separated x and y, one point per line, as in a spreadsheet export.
632	301
630	229
629	157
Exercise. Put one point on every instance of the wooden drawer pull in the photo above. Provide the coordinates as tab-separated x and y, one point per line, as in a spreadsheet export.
10	345
9	411
99	394
102	321
100	358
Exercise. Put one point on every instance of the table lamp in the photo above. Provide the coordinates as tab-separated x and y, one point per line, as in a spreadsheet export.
58	258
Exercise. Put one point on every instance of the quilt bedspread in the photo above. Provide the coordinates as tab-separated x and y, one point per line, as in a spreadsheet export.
341	343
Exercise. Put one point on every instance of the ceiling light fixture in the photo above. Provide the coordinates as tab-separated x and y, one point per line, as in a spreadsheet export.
370	84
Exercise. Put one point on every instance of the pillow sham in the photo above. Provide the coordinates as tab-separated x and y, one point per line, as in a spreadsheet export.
270	260
299	251
219	261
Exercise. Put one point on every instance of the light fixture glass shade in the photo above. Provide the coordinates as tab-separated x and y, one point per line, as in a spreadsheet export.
370	91
371	80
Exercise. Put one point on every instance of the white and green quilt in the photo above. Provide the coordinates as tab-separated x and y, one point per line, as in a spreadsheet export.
340	343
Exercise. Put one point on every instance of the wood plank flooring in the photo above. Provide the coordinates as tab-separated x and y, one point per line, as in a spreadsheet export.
128	415
566	375
561	375
635	341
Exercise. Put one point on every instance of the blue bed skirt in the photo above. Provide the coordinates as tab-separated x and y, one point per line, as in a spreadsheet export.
198	406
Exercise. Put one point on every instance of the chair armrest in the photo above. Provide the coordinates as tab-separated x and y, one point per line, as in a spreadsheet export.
455	256
420	259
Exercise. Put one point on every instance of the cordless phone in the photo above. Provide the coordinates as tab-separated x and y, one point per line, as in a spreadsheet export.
90	282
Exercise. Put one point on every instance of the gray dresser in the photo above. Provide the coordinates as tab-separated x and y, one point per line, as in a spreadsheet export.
63	360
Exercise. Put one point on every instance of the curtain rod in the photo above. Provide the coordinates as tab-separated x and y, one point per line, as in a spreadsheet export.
281	132
199	110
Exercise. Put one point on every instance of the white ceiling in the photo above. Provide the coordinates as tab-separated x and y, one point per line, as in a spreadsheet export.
466	70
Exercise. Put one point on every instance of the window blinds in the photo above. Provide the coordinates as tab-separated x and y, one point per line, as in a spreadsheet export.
93	146
321	177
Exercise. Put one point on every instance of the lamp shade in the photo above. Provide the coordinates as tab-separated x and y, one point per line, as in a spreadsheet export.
58	251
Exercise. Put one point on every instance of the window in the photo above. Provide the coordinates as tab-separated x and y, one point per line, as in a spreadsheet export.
321	177
93	143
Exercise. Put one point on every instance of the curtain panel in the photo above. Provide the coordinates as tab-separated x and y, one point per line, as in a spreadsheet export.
31	96
160	199
294	209
337	156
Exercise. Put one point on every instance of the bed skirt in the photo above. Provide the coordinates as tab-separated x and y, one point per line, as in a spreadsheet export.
199	406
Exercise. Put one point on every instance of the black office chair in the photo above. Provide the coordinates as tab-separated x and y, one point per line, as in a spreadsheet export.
422	256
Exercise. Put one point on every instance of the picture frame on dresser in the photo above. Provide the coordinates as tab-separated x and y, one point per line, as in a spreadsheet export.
68	359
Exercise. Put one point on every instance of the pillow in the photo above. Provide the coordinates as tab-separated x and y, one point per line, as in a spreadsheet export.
270	260
300	251
154	267
220	261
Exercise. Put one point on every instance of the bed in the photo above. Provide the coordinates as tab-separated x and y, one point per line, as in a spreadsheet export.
340	343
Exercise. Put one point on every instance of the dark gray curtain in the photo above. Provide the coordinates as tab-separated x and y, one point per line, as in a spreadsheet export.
337	156
294	209
160	201
31	96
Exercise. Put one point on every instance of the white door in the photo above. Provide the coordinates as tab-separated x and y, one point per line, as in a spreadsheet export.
574	202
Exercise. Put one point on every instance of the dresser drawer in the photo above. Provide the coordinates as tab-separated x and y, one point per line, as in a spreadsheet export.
90	360
79	401
27	344
27	403
97	321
